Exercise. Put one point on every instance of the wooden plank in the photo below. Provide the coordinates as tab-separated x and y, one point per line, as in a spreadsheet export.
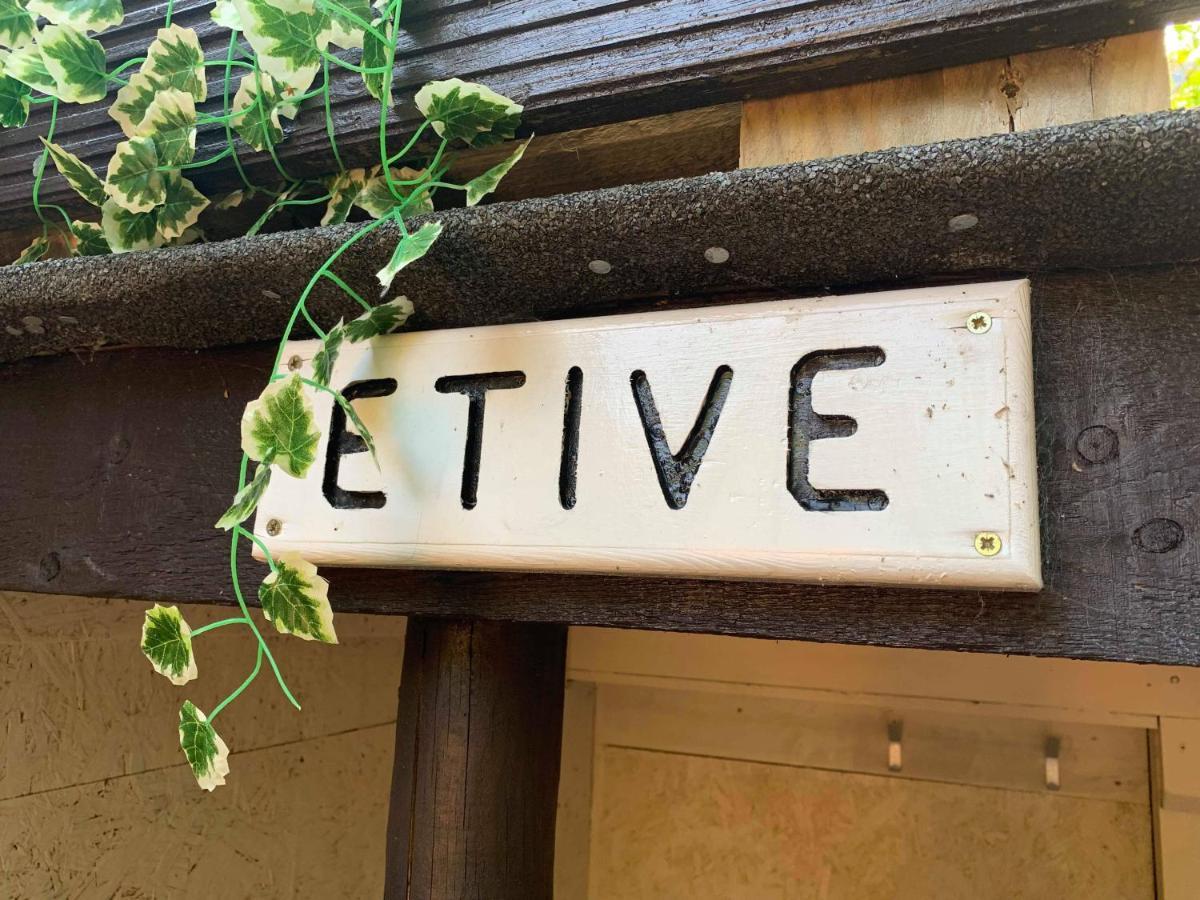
581	64
715	464
99	486
1119	76
475	781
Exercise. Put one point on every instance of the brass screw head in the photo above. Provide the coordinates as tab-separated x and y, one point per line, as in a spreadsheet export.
979	323
295	363
274	526
987	543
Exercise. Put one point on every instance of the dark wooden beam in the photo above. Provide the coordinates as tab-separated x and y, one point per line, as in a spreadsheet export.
116	464
578	64
475	782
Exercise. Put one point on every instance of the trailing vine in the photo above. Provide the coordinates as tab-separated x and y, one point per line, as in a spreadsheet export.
277	50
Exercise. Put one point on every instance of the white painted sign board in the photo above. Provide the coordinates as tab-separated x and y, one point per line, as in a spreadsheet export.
875	439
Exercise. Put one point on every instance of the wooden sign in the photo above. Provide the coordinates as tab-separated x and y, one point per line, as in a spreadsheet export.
881	438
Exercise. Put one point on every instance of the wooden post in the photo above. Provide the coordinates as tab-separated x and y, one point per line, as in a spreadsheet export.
475	783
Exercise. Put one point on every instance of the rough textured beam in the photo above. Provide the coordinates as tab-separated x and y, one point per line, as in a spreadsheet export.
1081	196
110	486
576	64
475	782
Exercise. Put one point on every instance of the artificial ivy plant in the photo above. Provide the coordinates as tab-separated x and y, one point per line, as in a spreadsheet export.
276	51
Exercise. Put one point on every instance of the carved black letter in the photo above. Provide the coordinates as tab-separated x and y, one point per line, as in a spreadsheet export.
342	442
677	471
476	388
572	411
806	426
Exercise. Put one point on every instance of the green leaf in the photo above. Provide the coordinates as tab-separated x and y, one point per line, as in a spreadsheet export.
82	15
79	175
234	198
482	185
170	121
205	751
35	251
344	189
468	112
288	41
133	177
278	426
246	500
125	230
296	600
16	24
376	197
28	66
167	643
133	99
328	354
256	107
226	14
382	319
89	239
410	248
76	62
374	56
174	59
345	18
14	102
180	208
359	425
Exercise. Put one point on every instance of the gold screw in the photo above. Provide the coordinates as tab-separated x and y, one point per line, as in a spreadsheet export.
979	323
987	543
274	526
295	363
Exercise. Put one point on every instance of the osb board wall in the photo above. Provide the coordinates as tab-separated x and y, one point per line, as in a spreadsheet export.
97	801
692	827
1120	76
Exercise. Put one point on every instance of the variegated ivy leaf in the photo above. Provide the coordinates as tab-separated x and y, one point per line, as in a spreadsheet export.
256	108
246	500
125	230
82	15
167	643
382	319
288	41
89	239
133	99
14	102
296	600
278	426
76	63
205	751
226	14
468	112
170	121
328	354
346	21
27	65
482	185
190	235
35	251
174	59
376	197
233	198
79	175
181	207
344	189
16	24
133	177
374	56
410	248
359	425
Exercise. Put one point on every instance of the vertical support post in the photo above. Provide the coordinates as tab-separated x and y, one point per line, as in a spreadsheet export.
475	780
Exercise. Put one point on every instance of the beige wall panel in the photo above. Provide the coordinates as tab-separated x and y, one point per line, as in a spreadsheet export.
80	703
1119	76
670	826
304	820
